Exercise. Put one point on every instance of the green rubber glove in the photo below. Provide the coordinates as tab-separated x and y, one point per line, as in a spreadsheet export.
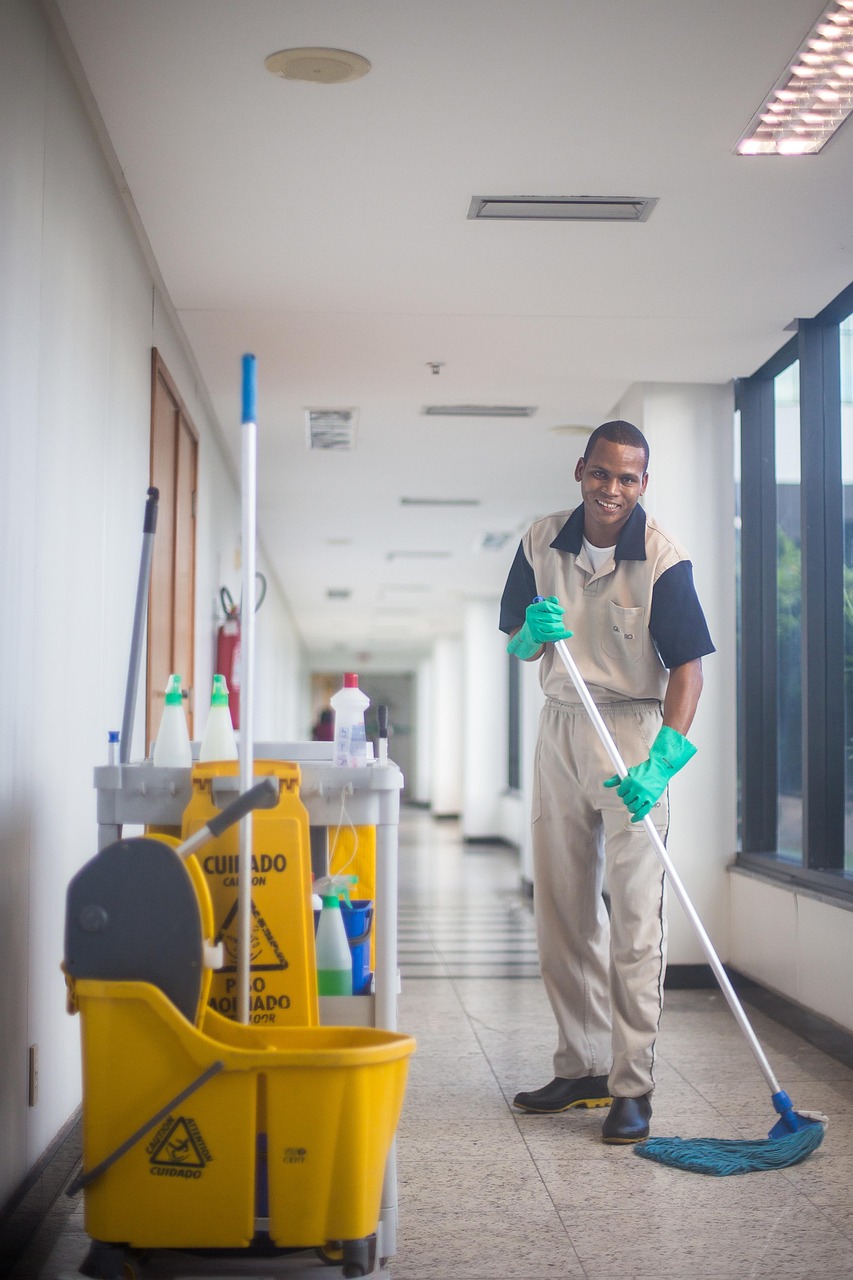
543	623
645	783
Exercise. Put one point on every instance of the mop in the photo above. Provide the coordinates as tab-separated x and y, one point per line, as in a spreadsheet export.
796	1133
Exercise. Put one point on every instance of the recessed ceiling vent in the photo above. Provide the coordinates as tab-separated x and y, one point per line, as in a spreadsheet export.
439	502
331	428
493	541
479	410
563	208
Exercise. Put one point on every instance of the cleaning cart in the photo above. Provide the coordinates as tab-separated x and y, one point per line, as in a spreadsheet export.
202	1133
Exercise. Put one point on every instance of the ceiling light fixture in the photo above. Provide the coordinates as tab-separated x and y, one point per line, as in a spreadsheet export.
322	66
479	410
563	208
813	97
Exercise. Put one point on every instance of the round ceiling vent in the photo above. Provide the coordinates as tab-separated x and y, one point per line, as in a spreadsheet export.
323	66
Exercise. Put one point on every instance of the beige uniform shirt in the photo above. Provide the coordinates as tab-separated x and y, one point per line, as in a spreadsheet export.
633	620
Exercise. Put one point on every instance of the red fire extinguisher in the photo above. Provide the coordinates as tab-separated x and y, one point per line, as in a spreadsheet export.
228	646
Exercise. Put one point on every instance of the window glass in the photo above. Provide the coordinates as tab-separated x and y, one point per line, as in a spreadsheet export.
847	478
738	619
788	614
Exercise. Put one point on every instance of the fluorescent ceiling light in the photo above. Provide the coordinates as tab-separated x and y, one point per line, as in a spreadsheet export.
479	410
418	555
563	208
814	95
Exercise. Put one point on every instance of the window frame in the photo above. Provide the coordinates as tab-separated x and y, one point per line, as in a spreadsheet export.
816	346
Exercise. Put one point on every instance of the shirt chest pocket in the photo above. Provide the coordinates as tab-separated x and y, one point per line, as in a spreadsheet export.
624	633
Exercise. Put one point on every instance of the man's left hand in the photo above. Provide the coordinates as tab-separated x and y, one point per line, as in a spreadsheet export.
644	784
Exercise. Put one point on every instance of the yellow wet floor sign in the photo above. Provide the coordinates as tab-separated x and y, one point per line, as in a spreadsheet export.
283	980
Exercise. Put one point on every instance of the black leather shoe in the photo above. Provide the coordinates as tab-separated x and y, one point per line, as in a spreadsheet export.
561	1094
628	1120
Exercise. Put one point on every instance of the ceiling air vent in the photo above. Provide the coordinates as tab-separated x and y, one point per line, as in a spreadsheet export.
439	502
479	410
563	208
493	541
331	428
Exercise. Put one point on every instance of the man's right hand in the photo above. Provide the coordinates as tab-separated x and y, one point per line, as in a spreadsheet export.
543	624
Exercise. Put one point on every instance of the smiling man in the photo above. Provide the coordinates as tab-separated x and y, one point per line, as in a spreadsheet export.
638	635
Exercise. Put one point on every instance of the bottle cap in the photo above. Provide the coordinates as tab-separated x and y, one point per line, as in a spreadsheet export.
331	900
173	692
350	680
219	696
112	735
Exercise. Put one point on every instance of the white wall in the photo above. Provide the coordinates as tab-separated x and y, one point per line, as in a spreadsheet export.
447	728
484	709
796	943
691	493
79	314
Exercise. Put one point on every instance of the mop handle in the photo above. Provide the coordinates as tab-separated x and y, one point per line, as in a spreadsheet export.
263	795
680	891
149	525
247	676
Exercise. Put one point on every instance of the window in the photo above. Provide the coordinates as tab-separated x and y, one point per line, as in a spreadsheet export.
789	603
847	478
796	606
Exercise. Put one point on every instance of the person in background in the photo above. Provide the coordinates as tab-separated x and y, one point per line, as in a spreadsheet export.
626	588
324	729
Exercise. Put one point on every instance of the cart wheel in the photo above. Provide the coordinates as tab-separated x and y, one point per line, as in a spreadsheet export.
109	1262
359	1257
332	1253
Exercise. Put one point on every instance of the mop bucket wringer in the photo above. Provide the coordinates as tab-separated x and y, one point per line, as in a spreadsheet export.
176	1096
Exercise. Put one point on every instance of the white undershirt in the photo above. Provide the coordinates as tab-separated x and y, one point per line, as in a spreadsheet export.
598	555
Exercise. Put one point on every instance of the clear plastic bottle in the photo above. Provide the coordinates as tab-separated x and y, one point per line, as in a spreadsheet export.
350	747
172	749
218	741
334	958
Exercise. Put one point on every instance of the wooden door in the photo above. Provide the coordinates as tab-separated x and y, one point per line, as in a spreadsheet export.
171	603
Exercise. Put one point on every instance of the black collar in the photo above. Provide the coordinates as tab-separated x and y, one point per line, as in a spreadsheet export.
630	546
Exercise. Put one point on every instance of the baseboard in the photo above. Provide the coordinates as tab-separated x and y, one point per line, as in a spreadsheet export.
29	1204
816	1030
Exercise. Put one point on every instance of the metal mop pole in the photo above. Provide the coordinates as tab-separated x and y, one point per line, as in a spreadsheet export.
674	878
247	653
149	525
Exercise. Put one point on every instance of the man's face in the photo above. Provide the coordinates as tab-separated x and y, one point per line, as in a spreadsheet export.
612	480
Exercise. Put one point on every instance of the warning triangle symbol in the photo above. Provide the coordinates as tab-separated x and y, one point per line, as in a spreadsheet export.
178	1147
265	953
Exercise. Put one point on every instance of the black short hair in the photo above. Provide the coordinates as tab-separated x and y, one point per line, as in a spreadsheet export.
619	432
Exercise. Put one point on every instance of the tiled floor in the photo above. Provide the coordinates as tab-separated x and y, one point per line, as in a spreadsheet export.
487	1193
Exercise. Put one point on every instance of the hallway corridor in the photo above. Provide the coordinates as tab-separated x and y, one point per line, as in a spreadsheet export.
488	1193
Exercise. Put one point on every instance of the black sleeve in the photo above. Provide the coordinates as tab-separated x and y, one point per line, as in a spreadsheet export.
677	623
519	592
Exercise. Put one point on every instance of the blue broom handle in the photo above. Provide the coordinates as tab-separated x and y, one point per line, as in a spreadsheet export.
680	891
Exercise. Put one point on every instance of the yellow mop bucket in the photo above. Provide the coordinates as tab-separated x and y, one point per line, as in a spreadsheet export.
171	1116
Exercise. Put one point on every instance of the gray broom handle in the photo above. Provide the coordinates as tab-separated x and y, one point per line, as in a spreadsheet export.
680	891
149	525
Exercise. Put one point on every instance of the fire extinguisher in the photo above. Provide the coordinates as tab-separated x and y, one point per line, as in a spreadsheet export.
228	646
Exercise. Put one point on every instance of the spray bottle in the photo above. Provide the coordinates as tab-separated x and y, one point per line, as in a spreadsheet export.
172	749
334	959
218	741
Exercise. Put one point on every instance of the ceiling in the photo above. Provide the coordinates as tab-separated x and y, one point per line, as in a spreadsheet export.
324	228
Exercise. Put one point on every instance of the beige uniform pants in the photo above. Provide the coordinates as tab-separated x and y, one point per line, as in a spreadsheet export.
603	976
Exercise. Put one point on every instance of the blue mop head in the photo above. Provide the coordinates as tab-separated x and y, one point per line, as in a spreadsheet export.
794	1136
